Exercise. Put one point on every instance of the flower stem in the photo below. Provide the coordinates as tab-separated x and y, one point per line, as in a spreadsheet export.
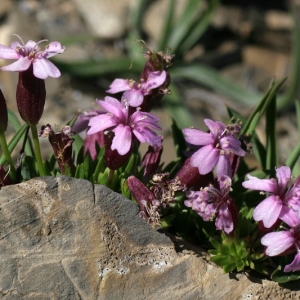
37	150
7	155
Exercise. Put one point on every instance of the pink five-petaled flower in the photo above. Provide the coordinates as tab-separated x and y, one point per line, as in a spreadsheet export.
125	126
218	147
286	241
135	91
211	201
31	53
271	209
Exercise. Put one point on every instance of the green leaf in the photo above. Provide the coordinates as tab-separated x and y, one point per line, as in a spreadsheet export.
261	108
99	67
199	26
14	141
211	78
103	177
294	156
184	24
29	168
229	268
271	147
282	277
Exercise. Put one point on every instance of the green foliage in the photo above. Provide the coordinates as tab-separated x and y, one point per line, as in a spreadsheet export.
240	250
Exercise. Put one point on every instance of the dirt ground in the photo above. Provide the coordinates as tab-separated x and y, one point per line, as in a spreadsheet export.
248	43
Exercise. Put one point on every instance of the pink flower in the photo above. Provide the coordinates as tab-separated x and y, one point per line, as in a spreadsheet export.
135	91
31	53
212	201
218	147
125	126
280	195
286	241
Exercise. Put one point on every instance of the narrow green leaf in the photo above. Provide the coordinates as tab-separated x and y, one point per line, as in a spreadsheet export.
211	78
282	277
13	119
271	146
260	109
14	141
199	27
184	24
167	27
294	156
100	67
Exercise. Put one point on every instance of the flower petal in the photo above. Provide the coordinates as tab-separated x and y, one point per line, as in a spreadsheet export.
8	53
115	107
224	219
231	143
100	123
223	166
42	68
268	211
119	85
154	80
266	185
289	216
54	48
146	135
133	98
294	265
197	137
277	242
22	64
214	126
283	175
205	159
122	139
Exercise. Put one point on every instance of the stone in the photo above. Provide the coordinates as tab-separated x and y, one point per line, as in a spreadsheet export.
106	19
65	238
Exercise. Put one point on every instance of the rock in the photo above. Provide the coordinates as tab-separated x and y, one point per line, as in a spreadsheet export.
106	19
64	238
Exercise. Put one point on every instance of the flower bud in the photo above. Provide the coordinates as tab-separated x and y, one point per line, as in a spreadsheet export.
151	160
113	159
157	61
189	176
3	113
31	95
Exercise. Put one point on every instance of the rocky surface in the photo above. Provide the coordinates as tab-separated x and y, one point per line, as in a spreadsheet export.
63	238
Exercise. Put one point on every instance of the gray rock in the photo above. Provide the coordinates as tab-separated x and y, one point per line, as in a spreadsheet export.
64	238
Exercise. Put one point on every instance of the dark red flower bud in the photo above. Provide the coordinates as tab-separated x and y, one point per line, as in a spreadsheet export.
156	61
113	159
141	193
151	160
3	113
31	95
189	176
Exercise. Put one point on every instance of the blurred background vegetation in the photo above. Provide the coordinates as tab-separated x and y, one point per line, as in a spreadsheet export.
226	54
